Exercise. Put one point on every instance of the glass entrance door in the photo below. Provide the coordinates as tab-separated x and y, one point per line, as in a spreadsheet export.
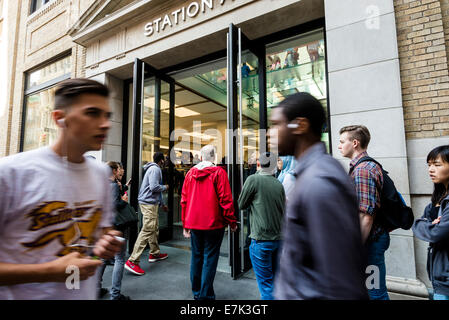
152	121
222	104
246	128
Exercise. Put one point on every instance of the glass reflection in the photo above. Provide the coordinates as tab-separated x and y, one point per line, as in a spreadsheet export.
40	129
297	65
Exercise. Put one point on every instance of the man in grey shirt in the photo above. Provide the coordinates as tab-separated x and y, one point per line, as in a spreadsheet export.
322	255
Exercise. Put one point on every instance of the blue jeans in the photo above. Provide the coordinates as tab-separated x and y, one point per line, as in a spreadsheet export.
205	253
263	256
437	296
376	256
117	273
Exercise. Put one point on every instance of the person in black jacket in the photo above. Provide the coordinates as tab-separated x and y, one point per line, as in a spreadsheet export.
119	203
433	226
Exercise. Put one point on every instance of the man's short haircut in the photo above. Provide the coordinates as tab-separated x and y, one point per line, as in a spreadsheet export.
267	159
208	153
358	132
158	156
304	105
68	91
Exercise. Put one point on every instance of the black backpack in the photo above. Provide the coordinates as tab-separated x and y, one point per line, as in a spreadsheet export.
394	212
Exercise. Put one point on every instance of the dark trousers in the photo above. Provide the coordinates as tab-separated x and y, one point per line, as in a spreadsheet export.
205	253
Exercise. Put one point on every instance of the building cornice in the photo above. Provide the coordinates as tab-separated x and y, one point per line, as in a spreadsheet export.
83	30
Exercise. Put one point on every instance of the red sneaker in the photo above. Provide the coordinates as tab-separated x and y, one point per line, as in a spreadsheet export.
160	256
134	268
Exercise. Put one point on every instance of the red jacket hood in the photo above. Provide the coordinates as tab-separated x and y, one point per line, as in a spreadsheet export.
199	174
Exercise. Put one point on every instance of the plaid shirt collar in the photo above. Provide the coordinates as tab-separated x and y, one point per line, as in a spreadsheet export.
360	156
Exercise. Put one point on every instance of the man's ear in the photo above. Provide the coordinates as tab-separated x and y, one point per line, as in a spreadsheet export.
355	143
57	116
303	126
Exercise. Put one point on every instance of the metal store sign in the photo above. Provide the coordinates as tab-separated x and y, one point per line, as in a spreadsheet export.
179	16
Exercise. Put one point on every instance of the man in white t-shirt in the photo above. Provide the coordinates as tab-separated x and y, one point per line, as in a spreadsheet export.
56	205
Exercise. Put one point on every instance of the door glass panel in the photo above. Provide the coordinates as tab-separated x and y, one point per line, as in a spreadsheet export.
155	130
200	119
250	137
297	65
148	122
163	144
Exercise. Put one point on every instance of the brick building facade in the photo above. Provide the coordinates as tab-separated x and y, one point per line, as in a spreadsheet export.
423	36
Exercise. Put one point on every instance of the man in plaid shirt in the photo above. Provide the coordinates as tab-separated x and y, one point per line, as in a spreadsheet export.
368	180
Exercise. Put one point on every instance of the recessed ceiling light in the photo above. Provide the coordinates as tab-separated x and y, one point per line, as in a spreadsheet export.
183	112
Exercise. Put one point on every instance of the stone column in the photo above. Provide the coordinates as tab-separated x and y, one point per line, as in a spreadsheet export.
112	149
365	88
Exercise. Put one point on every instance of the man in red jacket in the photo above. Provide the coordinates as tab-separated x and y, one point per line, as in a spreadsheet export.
207	208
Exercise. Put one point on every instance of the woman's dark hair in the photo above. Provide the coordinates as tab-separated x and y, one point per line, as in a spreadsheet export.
113	165
304	105
439	191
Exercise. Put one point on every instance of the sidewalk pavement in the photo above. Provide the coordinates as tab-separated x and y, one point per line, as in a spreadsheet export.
169	279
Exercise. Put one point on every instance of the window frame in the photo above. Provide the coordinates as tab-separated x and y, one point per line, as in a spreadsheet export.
33	5
36	89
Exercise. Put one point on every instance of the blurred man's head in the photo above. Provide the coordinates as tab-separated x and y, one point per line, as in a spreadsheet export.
297	119
82	110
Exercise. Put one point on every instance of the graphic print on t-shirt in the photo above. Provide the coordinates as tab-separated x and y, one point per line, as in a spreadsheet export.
55	213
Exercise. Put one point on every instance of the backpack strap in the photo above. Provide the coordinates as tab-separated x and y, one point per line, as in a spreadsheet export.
365	159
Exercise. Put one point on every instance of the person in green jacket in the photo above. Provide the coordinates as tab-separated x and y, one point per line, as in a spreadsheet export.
264	197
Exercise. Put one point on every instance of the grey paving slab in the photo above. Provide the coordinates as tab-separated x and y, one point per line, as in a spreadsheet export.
170	279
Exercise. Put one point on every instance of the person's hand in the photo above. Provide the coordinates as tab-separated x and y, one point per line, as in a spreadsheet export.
234	229
87	267
437	220
108	245
166	187
187	233
125	197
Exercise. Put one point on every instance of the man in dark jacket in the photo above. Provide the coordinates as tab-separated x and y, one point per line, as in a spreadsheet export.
322	254
263	195
207	208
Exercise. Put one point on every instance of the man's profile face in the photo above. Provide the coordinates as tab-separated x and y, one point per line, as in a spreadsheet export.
279	136
87	122
346	145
